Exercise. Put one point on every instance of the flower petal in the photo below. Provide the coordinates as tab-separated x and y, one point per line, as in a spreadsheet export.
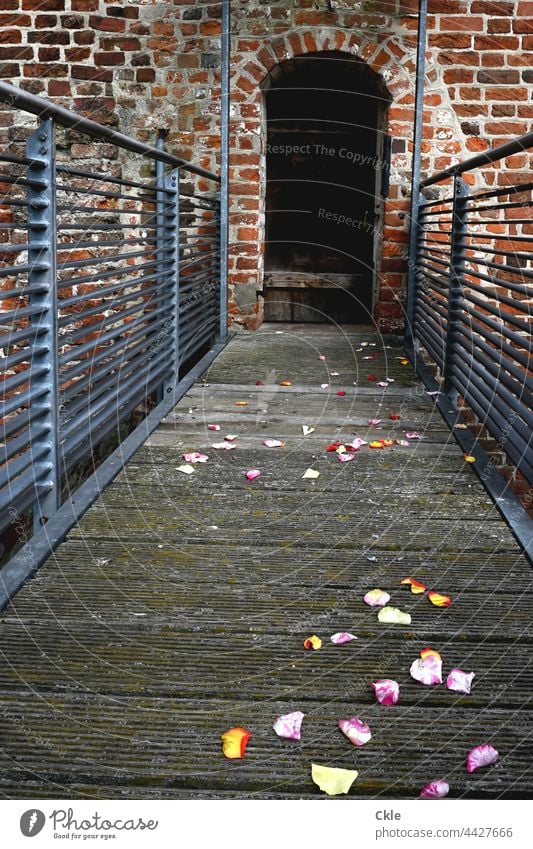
341	393
310	474
195	457
223	446
427	670
285	383
416	586
313	642
187	469
322	358
371	377
460	681
430	653
273	443
342	637
481	756
324	385
241	403
413	434
213	427
439	600
289	725
387	691
404	362
345	458
335	374
234	742
332	780
394	616
333	446
394	417
435	790
307	430
355	730
231	437
377	443
376	598
357	443
259	383
374	421
468	458
382	383
252	474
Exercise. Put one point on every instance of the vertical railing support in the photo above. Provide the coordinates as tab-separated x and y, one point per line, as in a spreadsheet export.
42	262
457	270
171	257
160	233
224	169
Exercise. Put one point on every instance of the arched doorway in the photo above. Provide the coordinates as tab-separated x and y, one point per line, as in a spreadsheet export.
327	173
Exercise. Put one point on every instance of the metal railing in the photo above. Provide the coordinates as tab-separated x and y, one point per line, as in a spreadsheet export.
471	292
112	282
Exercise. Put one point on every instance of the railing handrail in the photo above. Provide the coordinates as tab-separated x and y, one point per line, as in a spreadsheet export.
28	102
500	152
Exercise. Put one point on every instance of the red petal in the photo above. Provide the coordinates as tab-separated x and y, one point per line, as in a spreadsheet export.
342	393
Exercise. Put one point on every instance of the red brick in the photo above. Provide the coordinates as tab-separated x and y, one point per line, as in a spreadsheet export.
10	36
499	77
85	72
9	5
49	54
58	88
492	7
49	37
120	43
77	54
458	75
496	42
84	37
459	57
523	26
107	24
112	57
145	75
498	25
84	5
514	93
17	53
42	5
15	21
40	70
454	41
461	23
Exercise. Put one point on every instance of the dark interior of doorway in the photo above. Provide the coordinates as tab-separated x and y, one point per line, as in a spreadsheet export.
325	177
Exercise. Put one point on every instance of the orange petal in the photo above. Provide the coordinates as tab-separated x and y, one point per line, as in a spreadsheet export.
416	586
234	742
468	458
241	403
429	653
313	642
388	442
377	444
439	600
285	383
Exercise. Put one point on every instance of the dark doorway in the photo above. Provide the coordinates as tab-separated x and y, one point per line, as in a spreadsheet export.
325	158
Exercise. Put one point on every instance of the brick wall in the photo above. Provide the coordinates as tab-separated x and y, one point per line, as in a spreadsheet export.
147	64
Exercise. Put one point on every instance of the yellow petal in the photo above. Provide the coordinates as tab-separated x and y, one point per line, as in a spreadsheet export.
416	586
234	742
187	469
394	616
468	458
428	653
313	642
332	780
307	430
241	403
285	383
310	474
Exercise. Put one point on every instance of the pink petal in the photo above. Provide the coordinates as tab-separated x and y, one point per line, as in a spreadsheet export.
382	383
335	374
387	691
481	756
413	435
435	790
344	458
252	474
356	444
342	637
460	681
273	443
223	446
374	421
376	598
195	457
322	358
427	670
213	427
356	730
289	725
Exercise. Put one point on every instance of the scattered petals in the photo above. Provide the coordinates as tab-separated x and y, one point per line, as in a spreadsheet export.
345	458
332	780
434	393
459	681
195	457
374	421
403	442
310	474
394	616
430	653
382	383
461	426
394	417
355	730
234	742
377	443
241	403
273	443
342	637
322	358
341	393
252	474
387	691
213	427
439	600
307	430
481	756
334	446
376	598
468	458
341	449
313	642
416	586
335	373
324	385
231	437
404	362
285	383
435	790
289	725
187	469
371	377
221	446
427	670
413	434
259	383
356	444
388	442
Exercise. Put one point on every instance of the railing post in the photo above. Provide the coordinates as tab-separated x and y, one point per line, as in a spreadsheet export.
224	170
42	260
160	233
415	239
171	255
457	270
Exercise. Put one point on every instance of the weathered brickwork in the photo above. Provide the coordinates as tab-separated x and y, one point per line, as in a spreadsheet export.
147	64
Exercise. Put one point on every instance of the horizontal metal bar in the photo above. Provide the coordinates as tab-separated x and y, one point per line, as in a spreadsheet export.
98	276
142	297
501	152
20	293
440	308
139	310
29	396
16	336
506	317
21	377
504	190
19	443
504	370
12	470
497	206
16	179
20	99
81	190
16	270
72	209
500	327
23	419
105	243
22	494
104	291
24	356
435	323
497	281
95	227
15	160
106	178
499	343
500	236
102	260
521	306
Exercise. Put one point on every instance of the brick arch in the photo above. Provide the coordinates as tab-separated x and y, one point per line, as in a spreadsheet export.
394	64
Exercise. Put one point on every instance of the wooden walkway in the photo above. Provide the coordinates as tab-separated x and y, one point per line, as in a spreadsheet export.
179	605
